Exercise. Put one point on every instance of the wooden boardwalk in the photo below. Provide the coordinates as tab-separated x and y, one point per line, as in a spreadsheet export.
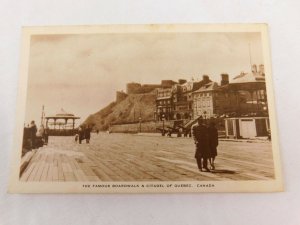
128	157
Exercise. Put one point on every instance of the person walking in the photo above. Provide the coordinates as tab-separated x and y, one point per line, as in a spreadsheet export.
46	135
33	130
87	134
200	135
80	134
213	143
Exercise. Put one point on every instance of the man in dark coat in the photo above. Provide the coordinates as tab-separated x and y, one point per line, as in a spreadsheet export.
213	143
200	134
80	134
33	131
87	133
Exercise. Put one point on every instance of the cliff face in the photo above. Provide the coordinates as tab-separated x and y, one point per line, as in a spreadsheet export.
126	111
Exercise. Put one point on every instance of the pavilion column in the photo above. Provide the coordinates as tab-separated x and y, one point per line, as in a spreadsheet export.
66	122
266	101
251	93
46	123
73	124
257	105
54	123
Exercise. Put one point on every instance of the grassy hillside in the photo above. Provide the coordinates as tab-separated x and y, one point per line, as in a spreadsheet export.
126	111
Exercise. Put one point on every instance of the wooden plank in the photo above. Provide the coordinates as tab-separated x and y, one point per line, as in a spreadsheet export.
86	168
80	176
45	172
108	171
25	161
28	171
66	167
55	173
60	169
93	178
69	176
39	172
50	172
101	175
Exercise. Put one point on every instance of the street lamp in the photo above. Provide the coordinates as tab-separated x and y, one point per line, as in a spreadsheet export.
140	120
163	119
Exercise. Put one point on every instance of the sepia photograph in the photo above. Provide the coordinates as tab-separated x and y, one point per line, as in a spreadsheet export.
146	109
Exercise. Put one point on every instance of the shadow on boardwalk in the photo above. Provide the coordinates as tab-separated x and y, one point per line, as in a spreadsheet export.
224	171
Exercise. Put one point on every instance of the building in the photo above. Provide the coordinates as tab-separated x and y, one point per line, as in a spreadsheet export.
137	88
242	104
183	97
164	104
204	101
247	116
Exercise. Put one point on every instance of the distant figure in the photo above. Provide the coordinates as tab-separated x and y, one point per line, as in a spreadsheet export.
87	134
46	135
27	144
33	131
97	131
80	134
200	134
179	134
213	143
169	133
43	134
76	137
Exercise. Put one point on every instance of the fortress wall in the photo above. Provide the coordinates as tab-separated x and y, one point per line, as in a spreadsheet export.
146	127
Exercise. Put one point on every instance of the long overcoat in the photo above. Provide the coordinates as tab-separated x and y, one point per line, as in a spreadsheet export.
200	134
213	141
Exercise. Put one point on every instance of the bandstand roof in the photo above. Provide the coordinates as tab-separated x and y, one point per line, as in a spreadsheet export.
246	81
62	114
248	78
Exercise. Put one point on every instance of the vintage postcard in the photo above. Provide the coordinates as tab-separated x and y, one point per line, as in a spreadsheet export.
146	109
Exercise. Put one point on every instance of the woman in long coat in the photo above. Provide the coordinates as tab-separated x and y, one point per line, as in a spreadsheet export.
213	143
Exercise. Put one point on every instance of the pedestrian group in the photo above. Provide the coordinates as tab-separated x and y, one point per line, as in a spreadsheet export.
84	132
206	140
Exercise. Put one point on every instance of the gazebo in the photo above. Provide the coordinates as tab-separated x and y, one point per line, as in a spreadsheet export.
248	115
59	125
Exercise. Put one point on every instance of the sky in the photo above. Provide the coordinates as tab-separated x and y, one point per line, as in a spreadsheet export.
82	72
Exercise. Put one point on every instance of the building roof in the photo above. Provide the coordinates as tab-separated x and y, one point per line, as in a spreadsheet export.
248	78
188	85
208	87
63	114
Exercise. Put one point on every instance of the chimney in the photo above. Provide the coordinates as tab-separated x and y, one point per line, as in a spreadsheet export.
254	68
181	81
261	70
224	79
205	79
